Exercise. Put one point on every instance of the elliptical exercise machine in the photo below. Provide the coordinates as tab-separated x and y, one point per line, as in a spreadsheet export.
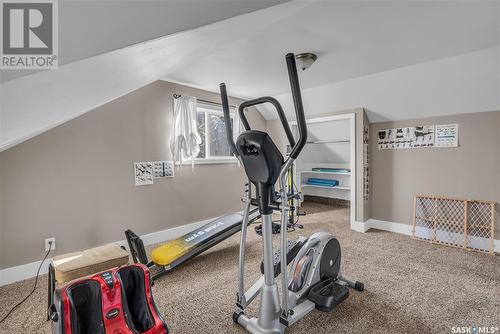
314	279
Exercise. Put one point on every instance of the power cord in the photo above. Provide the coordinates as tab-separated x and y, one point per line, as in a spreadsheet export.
34	286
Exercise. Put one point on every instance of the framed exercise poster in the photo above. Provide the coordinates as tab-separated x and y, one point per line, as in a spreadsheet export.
143	172
409	137
421	136
447	135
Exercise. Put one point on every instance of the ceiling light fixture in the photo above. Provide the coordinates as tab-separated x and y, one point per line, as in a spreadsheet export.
305	60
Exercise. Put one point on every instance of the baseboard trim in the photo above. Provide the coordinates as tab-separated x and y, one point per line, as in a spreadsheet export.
22	272
359	226
28	270
395	228
389	226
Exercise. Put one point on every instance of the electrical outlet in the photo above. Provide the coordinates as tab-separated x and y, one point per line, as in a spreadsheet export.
53	240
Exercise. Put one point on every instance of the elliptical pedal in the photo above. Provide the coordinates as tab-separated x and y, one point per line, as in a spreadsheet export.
327	294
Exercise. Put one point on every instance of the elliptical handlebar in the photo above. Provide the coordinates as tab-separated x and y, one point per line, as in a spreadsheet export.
227	119
279	110
299	111
299	108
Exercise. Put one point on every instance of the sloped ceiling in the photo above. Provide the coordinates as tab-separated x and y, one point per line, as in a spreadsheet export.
353	39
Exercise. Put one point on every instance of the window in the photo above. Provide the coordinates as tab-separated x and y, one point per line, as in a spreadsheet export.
214	146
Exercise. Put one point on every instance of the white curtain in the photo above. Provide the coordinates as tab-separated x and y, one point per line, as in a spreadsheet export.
237	126
185	140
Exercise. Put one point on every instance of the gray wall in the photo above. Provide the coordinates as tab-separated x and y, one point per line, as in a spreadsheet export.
75	182
276	131
471	171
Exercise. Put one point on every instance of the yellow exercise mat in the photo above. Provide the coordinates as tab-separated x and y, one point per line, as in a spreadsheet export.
74	265
165	254
192	243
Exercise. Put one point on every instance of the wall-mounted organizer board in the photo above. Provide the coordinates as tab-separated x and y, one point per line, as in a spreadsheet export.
468	224
143	173
163	169
146	172
422	136
323	168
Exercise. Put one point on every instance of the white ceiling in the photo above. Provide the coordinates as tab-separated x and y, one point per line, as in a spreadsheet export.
352	39
88	28
456	85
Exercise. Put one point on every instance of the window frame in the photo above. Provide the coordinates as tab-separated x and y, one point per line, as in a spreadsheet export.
209	109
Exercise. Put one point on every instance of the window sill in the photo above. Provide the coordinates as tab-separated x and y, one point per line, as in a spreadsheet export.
210	161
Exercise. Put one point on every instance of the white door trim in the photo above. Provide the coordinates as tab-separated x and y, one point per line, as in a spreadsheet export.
351	116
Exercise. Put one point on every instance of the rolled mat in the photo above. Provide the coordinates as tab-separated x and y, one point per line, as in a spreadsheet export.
331	170
322	182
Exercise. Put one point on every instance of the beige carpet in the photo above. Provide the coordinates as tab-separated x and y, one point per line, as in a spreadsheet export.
411	286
